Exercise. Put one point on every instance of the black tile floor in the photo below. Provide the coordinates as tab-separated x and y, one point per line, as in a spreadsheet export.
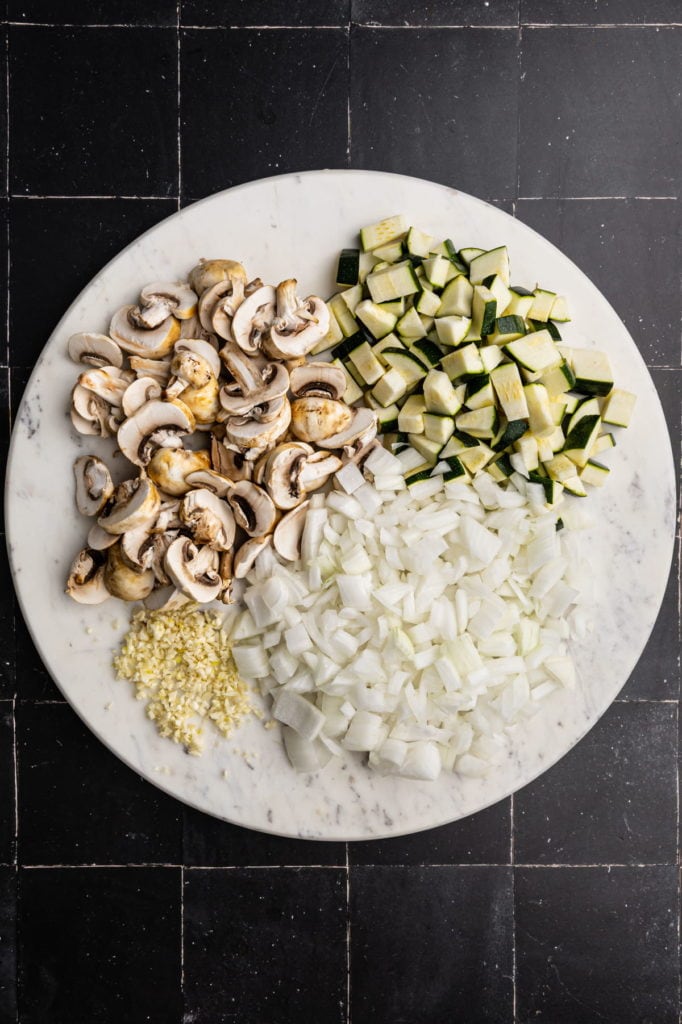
557	906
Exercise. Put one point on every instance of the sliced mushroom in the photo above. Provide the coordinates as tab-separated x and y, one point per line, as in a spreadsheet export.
99	539
91	414
170	467
107	382
140	391
190	572
94	485
219	303
226	568
203	348
211	480
318	380
299	325
253	509
165	599
161	299
209	272
249	434
362	429
188	369
228	462
271	383
251	322
151	343
168	518
137	547
94	350
134	503
246	370
208	518
124	582
156	424
247	554
313	419
159	369
85	583
316	470
282	472
203	402
288	532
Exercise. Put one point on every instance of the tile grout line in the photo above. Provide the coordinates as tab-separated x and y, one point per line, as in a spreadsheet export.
179	123
341	867
519	74
494	199
182	934
348	129
512	857
7	231
348	1016
358	24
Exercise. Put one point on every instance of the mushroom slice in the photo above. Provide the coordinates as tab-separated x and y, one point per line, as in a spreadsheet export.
160	299
316	470
363	427
85	583
204	403
156	424
208	273
123	581
189	369
212	481
282	473
168	518
138	392
91	414
219	303
273	384
208	518
191	573
247	554
137	547
246	372
99	539
318	380
94	350
226	568
252	435
313	419
202	348
299	324
254	510
151	343
251	321
288	532
94	485
170	467
165	599
134	503
159	369
228	462
107	382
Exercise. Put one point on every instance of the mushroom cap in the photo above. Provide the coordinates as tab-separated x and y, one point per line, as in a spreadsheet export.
124	582
191	573
151	343
94	485
176	296
251	434
170	467
253	508
134	503
211	480
138	392
299	324
94	350
253	318
274	384
313	419
288	532
191	368
363	426
245	558
208	518
85	582
203	348
203	402
282	472
210	272
318	380
156	424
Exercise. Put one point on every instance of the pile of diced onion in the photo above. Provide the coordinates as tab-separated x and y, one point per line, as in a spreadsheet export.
420	624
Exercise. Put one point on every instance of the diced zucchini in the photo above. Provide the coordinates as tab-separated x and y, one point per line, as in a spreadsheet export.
574	485
572	403
410	325
556	439
427	351
387	418
594	473
423	471
366	363
427	448
560	467
508	386
352	296
390	341
391	387
391	253
520	303
491	356
527	448
455	470
588	407
507	328
346	346
344	317
559	379
593	374
384	231
542	305
495	261
469	253
604	443
352	392
395	306
580	440
393	282
507	435
348	270
499	289
545	325
475	458
479	392
438	427
559	311
411	416
436	270
465	360
452	330
558	409
439	394
496	472
540	419
618	407
333	336
535	352
427	303
378	321
418	243
459	443
456	298
409	365
355	374
483	311
479	422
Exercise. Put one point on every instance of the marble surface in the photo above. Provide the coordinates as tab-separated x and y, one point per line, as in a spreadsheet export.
294	226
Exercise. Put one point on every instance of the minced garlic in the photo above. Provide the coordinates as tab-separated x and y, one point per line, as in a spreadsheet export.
181	663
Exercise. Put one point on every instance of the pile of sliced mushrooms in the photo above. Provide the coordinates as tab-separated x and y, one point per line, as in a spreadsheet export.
217	363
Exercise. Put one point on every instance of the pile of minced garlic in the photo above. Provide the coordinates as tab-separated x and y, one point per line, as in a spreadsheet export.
181	663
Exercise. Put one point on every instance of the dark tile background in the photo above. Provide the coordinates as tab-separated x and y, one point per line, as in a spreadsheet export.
558	905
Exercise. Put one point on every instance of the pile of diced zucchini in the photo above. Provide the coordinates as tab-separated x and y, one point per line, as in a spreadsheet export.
467	370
